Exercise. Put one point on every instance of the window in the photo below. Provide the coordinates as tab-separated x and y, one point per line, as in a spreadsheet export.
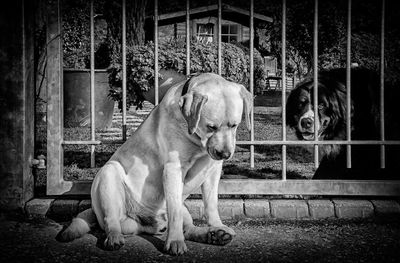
205	32
229	33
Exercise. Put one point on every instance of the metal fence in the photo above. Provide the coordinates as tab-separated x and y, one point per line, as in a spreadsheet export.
56	185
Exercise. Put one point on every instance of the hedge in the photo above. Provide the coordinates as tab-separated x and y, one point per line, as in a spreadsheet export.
172	55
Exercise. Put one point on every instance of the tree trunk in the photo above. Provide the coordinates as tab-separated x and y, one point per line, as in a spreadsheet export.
135	22
135	19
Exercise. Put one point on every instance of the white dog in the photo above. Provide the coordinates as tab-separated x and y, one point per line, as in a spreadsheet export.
178	148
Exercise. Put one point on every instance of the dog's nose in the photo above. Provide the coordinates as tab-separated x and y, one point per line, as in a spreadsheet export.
223	154
306	123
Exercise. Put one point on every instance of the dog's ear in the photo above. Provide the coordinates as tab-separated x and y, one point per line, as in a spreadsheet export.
247	105
191	105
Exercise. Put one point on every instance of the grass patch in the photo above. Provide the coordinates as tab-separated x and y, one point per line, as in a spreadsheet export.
271	98
73	172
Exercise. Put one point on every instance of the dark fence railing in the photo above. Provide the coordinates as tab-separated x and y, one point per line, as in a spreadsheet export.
56	184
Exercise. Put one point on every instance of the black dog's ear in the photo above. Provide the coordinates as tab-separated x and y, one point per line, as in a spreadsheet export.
292	103
191	105
290	109
337	102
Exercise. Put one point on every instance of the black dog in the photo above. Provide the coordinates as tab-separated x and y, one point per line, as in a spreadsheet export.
332	111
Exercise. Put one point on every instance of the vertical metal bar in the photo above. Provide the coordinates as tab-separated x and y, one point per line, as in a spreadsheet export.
92	90
293	81
124	127
252	79
156	52
219	37
348	85
187	38
315	94
382	85
283	88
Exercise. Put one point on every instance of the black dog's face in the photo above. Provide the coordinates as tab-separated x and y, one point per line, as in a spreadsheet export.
300	112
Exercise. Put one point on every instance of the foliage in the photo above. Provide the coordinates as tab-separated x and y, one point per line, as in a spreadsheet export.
365	52
332	19
299	33
172	55
107	31
76	34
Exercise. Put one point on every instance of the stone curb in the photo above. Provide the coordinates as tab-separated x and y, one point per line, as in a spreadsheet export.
289	209
347	208
293	209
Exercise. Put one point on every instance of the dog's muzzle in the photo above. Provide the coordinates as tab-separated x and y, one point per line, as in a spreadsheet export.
223	155
219	155
307	123
306	127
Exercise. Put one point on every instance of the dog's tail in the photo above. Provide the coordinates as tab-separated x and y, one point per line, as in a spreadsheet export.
79	226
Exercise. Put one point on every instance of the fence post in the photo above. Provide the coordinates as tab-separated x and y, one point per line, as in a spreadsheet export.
284	161
252	80
156	95
124	130
55	154
315	93
187	38
348	86
382	87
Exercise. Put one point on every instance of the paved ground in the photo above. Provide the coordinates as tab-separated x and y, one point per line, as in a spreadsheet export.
256	241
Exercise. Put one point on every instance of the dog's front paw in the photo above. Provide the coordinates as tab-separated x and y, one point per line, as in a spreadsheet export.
220	235
114	241
175	247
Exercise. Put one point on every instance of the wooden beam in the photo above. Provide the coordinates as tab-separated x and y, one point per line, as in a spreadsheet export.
55	180
288	187
310	187
209	8
192	12
246	12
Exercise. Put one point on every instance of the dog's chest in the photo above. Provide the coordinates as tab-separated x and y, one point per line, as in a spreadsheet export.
196	171
189	162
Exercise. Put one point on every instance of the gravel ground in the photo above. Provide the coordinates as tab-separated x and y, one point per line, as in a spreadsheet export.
256	241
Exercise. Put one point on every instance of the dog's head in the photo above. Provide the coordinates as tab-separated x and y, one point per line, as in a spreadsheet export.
331	109
213	108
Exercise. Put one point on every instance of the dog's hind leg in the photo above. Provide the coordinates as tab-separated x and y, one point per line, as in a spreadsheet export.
130	226
79	226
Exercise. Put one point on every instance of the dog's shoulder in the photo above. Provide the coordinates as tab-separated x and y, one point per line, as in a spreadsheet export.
172	96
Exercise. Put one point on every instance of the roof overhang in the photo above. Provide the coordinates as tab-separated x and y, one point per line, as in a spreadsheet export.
229	12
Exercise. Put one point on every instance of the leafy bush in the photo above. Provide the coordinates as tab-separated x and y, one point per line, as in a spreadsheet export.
76	35
172	55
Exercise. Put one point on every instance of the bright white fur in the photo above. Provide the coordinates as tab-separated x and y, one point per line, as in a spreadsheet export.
177	149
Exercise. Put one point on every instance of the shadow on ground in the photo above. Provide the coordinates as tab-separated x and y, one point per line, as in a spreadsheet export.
256	241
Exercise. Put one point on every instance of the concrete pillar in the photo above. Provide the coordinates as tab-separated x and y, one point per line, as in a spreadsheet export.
16	103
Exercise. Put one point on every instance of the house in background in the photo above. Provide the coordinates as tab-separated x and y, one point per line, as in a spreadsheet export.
204	24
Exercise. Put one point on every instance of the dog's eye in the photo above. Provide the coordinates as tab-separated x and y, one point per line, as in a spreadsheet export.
212	128
302	103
